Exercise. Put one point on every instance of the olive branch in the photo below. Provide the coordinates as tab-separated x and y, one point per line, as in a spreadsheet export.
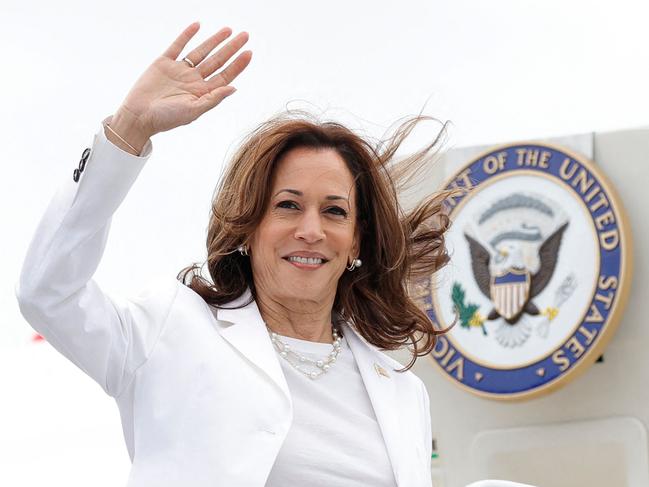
468	313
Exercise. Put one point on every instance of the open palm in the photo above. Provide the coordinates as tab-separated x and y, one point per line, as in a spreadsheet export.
171	93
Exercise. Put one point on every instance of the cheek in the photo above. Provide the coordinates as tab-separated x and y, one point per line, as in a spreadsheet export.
264	270
268	239
343	240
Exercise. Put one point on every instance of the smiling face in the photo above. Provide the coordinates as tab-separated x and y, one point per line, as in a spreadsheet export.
308	233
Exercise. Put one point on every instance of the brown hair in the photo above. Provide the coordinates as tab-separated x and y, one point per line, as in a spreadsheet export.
397	247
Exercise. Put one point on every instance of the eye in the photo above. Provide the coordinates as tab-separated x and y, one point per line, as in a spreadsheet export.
337	210
287	204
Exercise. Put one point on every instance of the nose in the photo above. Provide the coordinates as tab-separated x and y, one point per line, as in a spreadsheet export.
309	227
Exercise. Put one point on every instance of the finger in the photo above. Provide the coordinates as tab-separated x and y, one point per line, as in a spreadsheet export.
232	70
219	58
201	52
179	44
212	98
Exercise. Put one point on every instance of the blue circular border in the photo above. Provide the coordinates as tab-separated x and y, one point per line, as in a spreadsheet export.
525	380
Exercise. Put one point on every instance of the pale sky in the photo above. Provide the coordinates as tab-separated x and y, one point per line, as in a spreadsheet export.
499	70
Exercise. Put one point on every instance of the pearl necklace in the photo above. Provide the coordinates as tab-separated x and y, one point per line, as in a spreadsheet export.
323	365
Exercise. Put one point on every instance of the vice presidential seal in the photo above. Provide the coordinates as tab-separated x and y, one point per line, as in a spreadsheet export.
540	268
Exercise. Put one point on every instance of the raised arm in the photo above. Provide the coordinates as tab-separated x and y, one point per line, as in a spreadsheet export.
109	338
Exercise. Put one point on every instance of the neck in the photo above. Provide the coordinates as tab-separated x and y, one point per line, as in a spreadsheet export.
297	318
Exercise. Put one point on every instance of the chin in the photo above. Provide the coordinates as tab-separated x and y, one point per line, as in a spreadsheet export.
300	290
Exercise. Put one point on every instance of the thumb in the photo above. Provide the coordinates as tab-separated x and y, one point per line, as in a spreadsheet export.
213	98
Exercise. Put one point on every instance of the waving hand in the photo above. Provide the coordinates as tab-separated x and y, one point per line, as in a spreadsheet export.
171	92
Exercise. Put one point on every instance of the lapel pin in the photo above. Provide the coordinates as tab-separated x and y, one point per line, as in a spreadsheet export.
380	370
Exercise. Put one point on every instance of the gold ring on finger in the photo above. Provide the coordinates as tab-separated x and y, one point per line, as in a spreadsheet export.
189	62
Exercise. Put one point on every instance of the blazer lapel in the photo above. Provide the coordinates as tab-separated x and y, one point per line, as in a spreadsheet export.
246	331
379	379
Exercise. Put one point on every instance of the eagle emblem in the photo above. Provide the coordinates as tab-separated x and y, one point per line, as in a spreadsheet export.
511	290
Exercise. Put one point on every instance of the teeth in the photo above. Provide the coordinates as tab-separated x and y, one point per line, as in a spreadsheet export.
305	260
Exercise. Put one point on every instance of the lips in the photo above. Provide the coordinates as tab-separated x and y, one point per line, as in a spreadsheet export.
304	258
306	254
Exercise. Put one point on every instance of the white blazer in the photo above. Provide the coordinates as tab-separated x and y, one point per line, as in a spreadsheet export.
201	393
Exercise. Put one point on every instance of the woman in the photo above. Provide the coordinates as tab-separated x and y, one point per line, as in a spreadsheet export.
270	374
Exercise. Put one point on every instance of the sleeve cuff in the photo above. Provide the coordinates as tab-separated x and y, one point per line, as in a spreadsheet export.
146	150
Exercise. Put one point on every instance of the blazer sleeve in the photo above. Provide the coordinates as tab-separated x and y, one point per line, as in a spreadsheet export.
108	338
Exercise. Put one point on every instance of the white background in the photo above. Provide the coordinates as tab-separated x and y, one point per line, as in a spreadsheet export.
499	70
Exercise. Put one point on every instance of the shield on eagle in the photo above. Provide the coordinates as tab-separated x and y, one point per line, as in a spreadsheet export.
510	291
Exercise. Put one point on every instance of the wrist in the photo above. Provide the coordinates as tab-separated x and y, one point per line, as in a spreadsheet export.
129	128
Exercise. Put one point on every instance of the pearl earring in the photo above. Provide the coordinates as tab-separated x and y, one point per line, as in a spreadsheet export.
243	250
355	263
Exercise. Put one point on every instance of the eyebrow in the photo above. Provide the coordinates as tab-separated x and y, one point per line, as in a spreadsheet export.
300	193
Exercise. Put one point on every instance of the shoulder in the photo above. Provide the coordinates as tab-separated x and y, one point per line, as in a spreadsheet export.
156	298
409	377
407	380
162	290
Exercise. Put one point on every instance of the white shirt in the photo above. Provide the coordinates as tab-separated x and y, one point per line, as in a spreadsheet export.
334	440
